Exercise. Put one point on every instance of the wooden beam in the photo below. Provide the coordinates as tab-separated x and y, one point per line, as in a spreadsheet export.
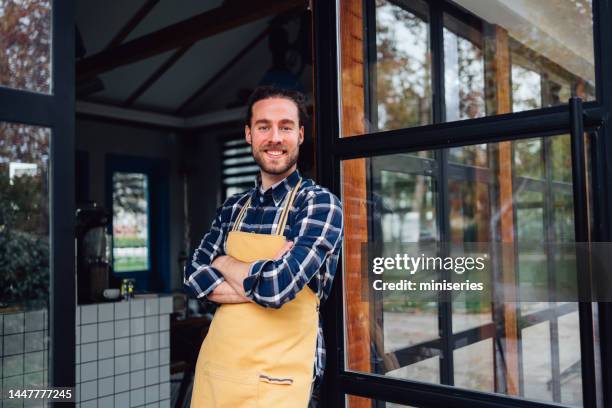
156	75
358	305
200	91
503	98
186	32
132	23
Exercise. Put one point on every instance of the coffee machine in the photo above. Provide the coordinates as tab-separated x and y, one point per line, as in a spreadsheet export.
94	252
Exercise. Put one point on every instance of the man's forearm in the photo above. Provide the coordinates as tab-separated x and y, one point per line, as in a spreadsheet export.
234	272
224	293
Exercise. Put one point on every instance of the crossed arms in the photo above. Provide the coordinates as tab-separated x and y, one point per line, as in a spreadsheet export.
316	234
234	272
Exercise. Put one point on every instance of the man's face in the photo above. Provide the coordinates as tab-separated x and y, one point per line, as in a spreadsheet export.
275	135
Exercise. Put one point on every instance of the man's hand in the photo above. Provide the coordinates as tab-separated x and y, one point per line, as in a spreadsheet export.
224	293
288	245
235	271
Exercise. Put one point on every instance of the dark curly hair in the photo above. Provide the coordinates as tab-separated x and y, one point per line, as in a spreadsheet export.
265	92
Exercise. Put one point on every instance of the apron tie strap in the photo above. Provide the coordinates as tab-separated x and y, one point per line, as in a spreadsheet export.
283	217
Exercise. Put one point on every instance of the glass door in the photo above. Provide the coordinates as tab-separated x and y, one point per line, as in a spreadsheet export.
37	300
448	124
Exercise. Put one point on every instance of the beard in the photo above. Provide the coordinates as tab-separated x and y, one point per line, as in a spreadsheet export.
280	166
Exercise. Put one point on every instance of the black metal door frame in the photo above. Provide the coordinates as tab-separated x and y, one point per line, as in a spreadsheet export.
332	149
56	111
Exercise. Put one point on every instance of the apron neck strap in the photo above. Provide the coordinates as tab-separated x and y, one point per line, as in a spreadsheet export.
285	214
241	215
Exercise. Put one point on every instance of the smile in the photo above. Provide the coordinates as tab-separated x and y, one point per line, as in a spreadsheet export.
275	153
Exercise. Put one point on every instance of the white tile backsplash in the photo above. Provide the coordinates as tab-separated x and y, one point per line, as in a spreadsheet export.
122	383
137	326
122	364
34	361
89	371
13	323
89	314
165	305
137	308
152	358
137	344
122	328
137	379
122	310
122	400
107	402
152	393
137	361
122	346
34	321
164	390
106	367
89	352
106	386
106	349
164	356
151	306
89	404
151	376
122	352
12	365
89	333
151	341
106	330
89	390
164	339
34	341
151	324
137	397
13	344
106	312
164	322
164	373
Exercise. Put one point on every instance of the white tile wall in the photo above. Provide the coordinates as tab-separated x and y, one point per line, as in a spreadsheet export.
137	397
122	352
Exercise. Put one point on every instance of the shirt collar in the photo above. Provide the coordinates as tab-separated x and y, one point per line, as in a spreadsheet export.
279	189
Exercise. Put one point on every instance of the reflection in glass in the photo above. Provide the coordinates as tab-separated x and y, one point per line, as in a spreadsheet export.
25	45
498	57
526	89
527	200
464	81
130	222
402	69
24	255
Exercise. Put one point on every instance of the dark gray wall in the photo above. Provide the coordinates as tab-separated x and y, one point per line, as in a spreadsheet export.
98	138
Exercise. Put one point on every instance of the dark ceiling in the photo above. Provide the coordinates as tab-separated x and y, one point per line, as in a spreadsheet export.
191	57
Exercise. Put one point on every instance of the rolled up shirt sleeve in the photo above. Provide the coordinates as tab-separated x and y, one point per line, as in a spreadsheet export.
317	235
200	278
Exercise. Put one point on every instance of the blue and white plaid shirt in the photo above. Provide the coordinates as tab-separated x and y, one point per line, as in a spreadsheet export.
315	227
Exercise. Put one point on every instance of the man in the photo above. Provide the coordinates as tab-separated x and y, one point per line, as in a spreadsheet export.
269	260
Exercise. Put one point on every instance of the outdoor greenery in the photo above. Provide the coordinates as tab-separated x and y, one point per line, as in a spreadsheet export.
24	217
24	242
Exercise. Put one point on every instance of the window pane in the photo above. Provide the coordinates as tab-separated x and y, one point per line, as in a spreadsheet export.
24	255
498	57
25	45
130	222
402	69
514	192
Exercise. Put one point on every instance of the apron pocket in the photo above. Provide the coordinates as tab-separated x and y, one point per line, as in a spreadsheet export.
226	387
276	391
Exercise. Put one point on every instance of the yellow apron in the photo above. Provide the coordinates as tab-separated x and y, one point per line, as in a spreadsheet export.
255	356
